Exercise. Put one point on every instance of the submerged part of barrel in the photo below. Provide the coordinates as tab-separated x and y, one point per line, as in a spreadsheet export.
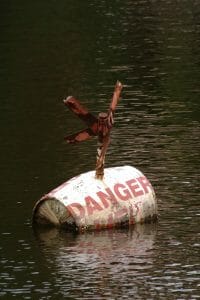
123	197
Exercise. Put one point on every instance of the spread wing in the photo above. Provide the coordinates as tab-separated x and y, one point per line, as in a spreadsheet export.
79	136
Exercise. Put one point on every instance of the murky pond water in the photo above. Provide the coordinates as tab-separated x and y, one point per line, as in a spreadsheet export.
49	50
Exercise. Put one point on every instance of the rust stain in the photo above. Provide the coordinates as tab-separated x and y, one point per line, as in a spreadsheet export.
99	127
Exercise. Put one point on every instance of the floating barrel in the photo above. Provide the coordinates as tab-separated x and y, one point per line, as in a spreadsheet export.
124	196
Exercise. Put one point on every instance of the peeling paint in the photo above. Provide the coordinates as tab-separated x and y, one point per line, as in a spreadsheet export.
124	196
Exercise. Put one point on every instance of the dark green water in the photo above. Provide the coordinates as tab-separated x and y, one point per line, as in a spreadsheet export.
52	49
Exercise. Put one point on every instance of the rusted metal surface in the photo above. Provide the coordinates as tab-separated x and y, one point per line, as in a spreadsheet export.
103	143
123	197
100	126
90	120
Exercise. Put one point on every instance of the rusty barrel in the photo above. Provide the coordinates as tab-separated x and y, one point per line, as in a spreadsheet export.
124	196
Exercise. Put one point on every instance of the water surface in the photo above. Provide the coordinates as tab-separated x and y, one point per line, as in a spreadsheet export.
50	50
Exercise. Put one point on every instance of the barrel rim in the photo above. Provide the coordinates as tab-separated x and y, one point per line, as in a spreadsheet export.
60	224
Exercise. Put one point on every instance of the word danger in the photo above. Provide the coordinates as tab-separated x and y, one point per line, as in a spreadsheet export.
132	188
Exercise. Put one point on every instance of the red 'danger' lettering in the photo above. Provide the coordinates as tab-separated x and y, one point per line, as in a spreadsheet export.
105	197
76	210
122	192
135	188
146	185
92	205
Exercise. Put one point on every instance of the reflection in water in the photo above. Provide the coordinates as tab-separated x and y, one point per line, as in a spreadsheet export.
49	50
98	261
134	241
